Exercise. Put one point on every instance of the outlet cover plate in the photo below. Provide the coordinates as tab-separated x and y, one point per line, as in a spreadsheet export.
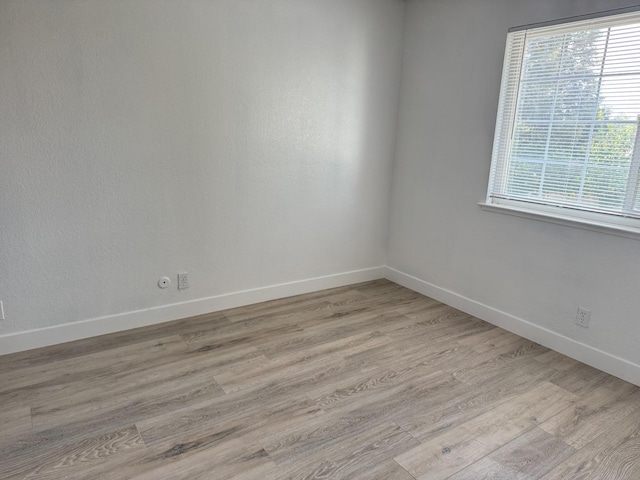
183	281
582	317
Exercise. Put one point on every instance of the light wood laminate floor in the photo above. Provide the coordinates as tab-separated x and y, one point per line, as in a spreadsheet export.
371	381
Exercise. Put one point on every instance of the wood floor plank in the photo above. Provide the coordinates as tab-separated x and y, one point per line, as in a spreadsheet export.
15	421
582	379
373	386
462	403
448	453
556	360
228	458
294	445
79	348
151	388
500	363
98	364
328	331
532	454
381	288
347	298
349	419
69	460
92	374
277	308
373	447
383	471
231	415
131	404
611	456
487	469
492	339
438	354
384	302
426	311
594	414
316	360
218	463
439	323
246	332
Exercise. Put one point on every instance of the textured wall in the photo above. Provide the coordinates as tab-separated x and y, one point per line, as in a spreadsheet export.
247	142
537	271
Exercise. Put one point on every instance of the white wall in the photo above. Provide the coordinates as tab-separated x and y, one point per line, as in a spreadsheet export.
247	142
250	143
532	271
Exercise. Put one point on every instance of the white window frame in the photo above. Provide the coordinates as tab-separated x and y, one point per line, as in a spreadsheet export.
591	220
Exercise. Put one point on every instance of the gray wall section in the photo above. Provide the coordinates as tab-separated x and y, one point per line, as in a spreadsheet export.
537	271
247	142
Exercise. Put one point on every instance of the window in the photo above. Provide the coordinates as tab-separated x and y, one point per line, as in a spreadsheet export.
567	141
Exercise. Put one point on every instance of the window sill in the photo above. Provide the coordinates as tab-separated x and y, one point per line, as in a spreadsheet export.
566	220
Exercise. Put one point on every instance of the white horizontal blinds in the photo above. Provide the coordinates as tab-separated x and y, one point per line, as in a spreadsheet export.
508	98
573	129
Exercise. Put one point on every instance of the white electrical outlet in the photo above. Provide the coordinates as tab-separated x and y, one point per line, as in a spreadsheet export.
183	281
1	311
582	317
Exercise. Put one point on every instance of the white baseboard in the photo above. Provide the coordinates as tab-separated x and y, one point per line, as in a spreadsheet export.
599	359
67	332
